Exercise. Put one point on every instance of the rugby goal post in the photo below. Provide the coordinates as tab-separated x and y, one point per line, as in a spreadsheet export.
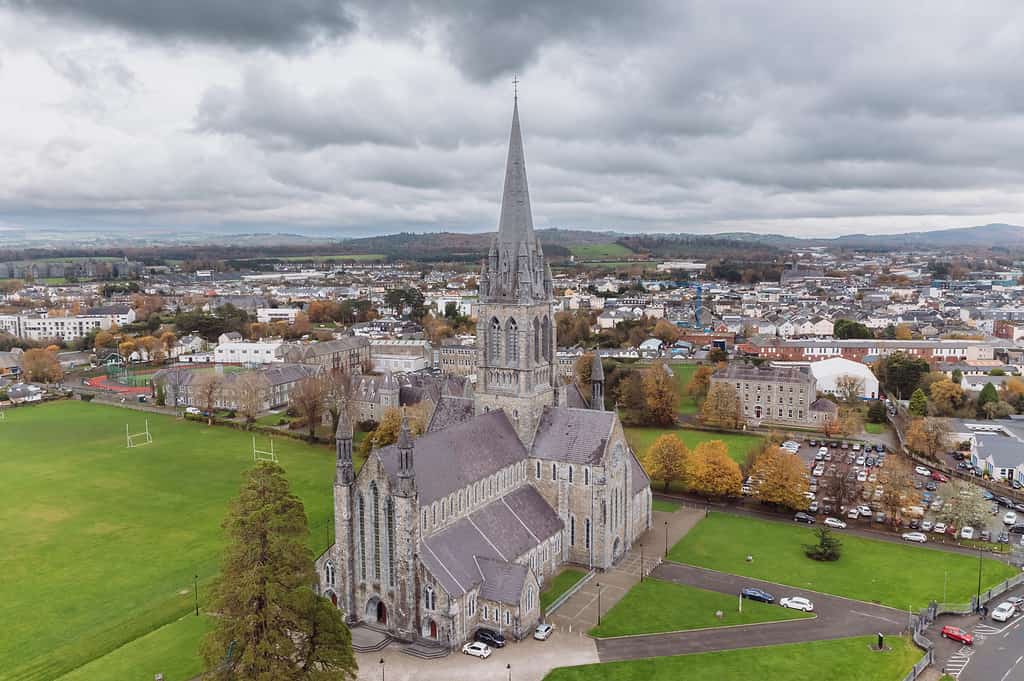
263	454
138	439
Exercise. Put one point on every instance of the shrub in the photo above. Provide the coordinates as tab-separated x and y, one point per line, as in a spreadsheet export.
828	547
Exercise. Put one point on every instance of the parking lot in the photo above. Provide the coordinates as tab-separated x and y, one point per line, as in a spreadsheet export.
866	467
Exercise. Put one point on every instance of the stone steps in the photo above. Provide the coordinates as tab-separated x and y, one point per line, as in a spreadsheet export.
426	651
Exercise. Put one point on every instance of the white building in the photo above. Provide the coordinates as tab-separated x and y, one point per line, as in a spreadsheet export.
829	371
266	315
248	352
400	356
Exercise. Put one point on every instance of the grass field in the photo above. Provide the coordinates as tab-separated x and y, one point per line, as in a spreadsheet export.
898	575
172	650
357	257
846	659
562	582
683	374
740	445
874	428
101	543
654	606
664	506
600	251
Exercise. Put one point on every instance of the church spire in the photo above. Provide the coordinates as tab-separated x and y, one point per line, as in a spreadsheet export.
516	223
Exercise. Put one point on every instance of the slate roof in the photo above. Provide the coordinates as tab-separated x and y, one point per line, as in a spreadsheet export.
574	397
479	549
640	479
451	458
825	405
573	435
451	410
737	372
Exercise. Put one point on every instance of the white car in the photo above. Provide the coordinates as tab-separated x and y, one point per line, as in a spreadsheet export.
194	411
865	511
856	447
862	476
477	649
967	532
836	523
860	460
927	525
939	528
853	513
1003	611
921	470
823	450
797	603
919	537
543	632
790	444
1010	518
819	471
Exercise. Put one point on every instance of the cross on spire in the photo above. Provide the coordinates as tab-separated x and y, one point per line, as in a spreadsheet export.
515	87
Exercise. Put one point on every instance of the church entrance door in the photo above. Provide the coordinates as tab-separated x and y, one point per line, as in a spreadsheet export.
382	613
433	629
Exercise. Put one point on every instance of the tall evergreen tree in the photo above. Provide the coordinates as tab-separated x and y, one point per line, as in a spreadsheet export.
987	394
918	403
269	625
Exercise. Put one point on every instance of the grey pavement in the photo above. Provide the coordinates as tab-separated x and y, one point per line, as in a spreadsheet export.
998	651
837	617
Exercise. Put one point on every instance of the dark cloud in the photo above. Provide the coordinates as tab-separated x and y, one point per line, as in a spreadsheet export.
247	23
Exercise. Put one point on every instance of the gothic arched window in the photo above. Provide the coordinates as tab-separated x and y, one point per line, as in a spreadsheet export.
329	574
389	518
375	516
547	338
429	598
536	339
511	341
494	340
361	535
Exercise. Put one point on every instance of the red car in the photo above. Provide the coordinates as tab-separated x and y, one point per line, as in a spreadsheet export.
939	477
958	634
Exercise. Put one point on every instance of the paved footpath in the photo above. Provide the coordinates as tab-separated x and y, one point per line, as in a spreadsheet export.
837	617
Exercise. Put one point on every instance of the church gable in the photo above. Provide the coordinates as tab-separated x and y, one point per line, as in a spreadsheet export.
578	436
448	460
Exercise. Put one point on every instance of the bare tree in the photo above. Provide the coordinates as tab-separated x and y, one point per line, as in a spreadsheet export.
207	390
839	488
897	483
308	399
849	388
966	505
250	393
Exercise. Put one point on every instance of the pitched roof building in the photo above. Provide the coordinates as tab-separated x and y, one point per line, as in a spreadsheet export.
463	526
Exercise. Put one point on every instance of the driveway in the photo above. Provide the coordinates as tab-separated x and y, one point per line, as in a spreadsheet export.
837	618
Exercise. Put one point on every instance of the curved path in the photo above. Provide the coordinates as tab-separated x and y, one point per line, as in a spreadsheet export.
837	618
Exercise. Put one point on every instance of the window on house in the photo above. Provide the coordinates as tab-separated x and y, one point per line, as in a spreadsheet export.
508	618
572	530
586	476
570	474
554	471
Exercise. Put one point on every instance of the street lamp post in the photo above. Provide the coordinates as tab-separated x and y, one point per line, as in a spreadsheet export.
666	539
641	561
599	604
195	586
508	668
979	577
382	669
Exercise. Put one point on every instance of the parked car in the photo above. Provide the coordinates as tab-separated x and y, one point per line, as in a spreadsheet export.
939	477
1010	518
880	517
477	649
865	511
939	528
1003	612
193	411
919	537
957	634
490	637
921	470
985	535
755	594
853	513
860	460
914	524
802	517
931	486
797	603
1016	529
813	507
1005	501
967	532
836	523
927	525
1004	538
543	632
862	476
1016	601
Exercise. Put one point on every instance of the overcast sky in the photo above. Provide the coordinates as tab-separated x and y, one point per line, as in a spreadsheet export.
803	118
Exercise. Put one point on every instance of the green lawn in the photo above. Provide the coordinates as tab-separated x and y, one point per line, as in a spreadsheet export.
654	606
740	445
664	506
600	251
897	575
272	419
683	374
846	659
101	543
874	428
563	581
172	650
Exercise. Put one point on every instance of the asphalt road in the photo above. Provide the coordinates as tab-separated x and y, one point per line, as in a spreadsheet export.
998	652
836	618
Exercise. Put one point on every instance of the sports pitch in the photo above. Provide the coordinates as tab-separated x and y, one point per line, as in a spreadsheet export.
101	543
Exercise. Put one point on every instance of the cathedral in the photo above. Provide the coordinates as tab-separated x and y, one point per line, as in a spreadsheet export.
463	526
